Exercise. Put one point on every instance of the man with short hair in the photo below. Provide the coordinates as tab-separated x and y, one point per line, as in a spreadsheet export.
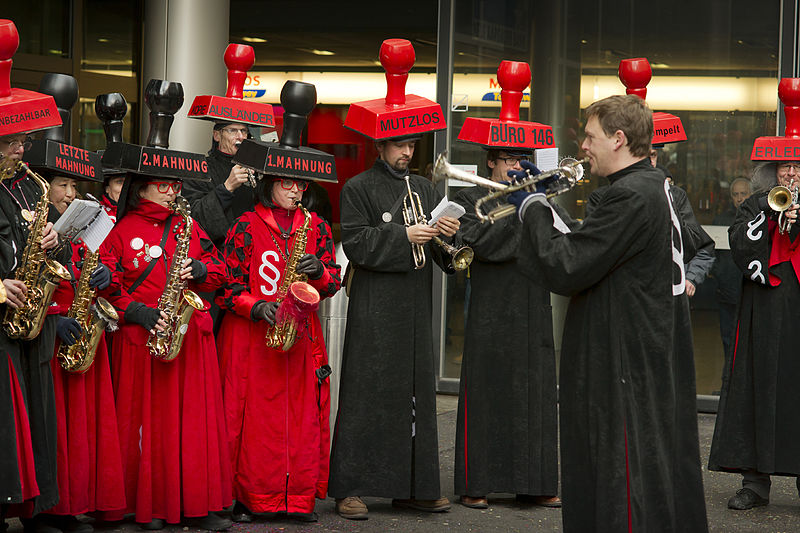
725	271
629	442
216	204
507	413
386	442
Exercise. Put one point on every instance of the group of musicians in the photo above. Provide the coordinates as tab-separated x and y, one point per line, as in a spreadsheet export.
173	414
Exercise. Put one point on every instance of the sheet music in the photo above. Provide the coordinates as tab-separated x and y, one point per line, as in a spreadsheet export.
546	159
446	208
86	221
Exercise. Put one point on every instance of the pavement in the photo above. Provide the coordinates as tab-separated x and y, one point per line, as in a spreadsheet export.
506	515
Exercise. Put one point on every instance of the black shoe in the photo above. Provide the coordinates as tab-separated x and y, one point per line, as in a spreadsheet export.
210	522
38	524
153	525
304	517
68	524
746	499
241	513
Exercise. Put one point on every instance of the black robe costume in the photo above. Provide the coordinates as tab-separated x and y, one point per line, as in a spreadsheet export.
507	429
630	457
388	356
31	359
758	423
213	206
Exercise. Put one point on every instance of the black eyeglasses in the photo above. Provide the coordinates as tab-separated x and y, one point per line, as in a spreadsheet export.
511	161
288	184
16	144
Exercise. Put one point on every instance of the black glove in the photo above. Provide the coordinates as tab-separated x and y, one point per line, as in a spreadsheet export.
310	265
68	330
138	313
101	277
264	311
199	271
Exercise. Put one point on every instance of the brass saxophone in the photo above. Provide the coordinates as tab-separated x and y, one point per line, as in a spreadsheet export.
283	334
92	318
40	274
176	301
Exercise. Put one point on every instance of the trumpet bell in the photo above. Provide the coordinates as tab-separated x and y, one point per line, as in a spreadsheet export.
779	198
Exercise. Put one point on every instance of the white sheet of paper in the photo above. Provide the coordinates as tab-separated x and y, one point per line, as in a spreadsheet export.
546	159
446	208
85	220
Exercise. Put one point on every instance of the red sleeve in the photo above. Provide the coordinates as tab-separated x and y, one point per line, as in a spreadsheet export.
116	294
331	279
237	253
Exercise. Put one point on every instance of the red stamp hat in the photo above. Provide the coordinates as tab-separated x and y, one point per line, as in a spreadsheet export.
239	58
635	74
21	111
508	131
398	115
786	148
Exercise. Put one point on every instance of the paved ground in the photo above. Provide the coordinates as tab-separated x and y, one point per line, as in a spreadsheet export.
505	515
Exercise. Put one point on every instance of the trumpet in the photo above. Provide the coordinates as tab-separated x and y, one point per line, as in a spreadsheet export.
552	183
414	214
780	199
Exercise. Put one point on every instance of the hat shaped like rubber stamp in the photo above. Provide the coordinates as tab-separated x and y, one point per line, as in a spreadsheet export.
635	74
50	154
399	115
786	148
164	98
111	109
508	131
21	111
287	158
239	58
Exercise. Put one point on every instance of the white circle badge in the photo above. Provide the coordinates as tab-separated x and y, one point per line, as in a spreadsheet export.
137	243
387	217
156	251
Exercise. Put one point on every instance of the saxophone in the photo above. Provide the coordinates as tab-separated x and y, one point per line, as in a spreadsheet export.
40	274
176	301
92	318
282	335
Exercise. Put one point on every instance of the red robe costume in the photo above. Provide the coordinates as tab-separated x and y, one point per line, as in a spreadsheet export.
170	414
110	207
89	462
276	408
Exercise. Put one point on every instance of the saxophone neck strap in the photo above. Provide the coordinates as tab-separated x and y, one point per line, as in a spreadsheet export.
151	265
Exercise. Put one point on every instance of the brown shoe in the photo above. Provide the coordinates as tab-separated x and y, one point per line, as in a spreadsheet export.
352	508
429	506
475	503
547	501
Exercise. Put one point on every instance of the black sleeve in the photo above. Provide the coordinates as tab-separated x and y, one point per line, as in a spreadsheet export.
210	205
750	242
496	242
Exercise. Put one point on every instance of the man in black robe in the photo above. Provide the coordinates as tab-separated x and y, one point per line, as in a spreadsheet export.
216	204
629	441
507	429
386	442
30	360
758	423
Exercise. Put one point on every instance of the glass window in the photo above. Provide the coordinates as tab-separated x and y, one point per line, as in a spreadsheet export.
111	36
716	69
43	30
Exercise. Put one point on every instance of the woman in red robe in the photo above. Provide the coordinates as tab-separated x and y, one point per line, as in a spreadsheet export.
170	414
277	403
89	463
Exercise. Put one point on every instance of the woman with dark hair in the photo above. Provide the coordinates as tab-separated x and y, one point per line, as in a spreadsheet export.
277	402
169	412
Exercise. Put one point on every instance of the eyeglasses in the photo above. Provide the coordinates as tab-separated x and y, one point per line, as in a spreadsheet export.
511	161
288	184
235	131
164	186
16	145
784	168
